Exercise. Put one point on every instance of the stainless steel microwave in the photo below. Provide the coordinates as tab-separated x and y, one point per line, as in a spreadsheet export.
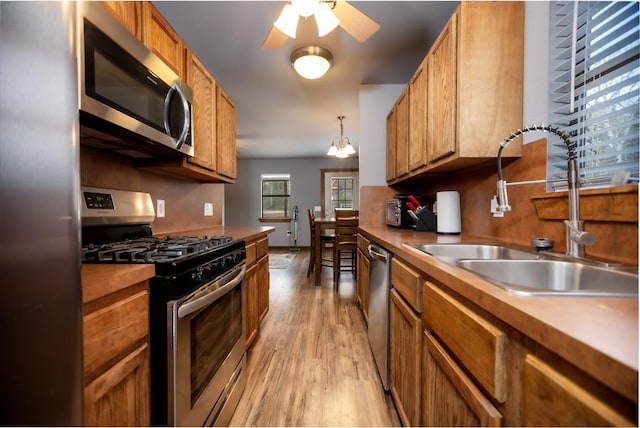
130	100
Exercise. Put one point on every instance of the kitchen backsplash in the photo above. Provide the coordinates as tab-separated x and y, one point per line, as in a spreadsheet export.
617	234
184	200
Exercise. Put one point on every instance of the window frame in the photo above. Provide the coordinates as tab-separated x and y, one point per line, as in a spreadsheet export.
285	215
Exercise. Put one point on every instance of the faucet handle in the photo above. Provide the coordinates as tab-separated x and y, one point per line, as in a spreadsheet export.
503	199
578	235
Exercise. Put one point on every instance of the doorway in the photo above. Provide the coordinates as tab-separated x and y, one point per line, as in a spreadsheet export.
340	188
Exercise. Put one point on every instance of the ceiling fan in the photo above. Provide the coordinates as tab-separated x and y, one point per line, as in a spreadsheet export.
328	15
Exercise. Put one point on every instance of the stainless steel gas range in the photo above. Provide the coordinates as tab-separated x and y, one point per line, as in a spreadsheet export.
197	327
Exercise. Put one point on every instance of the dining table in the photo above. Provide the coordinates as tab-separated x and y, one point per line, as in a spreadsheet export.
320	224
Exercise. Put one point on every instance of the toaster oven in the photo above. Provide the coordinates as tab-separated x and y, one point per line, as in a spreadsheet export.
397	213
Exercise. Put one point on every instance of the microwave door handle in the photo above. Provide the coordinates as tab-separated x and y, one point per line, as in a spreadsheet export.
193	306
185	107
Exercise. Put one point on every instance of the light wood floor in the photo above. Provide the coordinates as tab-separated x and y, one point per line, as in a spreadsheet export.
311	365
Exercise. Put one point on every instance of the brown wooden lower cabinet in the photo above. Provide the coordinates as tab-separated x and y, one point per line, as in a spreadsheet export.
120	396
256	287
406	374
116	358
449	396
552	398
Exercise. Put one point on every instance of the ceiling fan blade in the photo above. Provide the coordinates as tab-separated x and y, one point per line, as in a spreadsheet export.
275	39
354	22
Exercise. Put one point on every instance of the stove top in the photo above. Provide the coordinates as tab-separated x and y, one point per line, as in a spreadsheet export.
170	249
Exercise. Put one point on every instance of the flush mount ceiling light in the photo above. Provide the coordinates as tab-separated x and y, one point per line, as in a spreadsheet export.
311	62
341	146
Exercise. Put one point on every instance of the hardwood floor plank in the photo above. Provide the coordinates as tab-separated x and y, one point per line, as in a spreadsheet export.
311	364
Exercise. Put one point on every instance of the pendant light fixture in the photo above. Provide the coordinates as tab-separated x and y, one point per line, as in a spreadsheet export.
311	62
341	146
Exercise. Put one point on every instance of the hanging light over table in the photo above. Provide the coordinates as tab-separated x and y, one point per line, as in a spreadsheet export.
341	146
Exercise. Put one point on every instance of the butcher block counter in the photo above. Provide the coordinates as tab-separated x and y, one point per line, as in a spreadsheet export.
599	336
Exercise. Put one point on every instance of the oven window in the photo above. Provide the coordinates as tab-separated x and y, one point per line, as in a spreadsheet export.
214	331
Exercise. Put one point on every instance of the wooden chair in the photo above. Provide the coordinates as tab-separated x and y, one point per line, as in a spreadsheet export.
327	241
345	245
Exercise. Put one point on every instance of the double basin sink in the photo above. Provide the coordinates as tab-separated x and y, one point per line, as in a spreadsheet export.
537	273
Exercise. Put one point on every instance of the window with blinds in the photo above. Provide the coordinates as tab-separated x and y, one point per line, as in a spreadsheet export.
276	191
594	79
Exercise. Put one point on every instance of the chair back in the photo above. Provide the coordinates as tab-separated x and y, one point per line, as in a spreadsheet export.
346	224
312	229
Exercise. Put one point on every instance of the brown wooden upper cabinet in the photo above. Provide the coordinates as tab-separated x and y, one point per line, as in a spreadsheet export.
402	134
160	37
466	96
214	114
129	13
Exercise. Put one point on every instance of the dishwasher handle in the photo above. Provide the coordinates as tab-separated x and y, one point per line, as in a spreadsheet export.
377	253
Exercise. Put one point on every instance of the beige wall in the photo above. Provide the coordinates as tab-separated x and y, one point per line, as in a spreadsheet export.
184	200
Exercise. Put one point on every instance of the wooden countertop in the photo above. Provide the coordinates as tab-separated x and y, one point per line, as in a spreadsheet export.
98	280
598	335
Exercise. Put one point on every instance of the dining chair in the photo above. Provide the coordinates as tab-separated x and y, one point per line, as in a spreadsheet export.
326	241
345	245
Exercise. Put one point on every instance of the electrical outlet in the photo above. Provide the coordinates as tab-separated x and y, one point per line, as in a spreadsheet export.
161	207
208	209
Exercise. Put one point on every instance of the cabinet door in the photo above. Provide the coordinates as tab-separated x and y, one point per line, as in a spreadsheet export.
263	287
418	118
449	396
226	147
120	396
552	399
391	145
204	112
406	375
362	283
402	134
129	13
442	94
251	304
162	39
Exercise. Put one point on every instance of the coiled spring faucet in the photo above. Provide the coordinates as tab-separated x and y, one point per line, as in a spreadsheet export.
576	237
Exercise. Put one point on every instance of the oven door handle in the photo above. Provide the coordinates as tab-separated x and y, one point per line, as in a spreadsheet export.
188	308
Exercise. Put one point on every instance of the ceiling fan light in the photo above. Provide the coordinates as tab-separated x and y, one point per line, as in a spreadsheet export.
305	7
326	20
287	22
311	62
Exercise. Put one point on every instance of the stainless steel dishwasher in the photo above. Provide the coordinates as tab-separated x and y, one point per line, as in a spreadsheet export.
379	289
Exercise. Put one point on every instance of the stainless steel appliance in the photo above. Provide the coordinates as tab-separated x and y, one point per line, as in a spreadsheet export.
197	314
398	213
128	92
41	294
379	294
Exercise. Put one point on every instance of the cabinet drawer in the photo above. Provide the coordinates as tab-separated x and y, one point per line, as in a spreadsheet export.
251	254
479	345
263	247
408	282
363	244
110	332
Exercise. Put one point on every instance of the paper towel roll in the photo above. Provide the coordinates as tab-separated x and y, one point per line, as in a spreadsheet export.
448	206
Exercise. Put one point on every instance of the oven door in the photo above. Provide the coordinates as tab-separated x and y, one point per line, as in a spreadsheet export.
206	359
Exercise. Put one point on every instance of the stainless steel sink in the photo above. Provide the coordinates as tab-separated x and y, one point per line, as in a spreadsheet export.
453	252
554	277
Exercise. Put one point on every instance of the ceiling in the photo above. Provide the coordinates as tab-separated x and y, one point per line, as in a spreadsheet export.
279	114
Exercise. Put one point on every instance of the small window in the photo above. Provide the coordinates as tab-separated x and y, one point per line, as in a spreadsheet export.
595	70
276	192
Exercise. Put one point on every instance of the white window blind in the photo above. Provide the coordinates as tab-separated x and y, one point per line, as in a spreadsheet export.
594	79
